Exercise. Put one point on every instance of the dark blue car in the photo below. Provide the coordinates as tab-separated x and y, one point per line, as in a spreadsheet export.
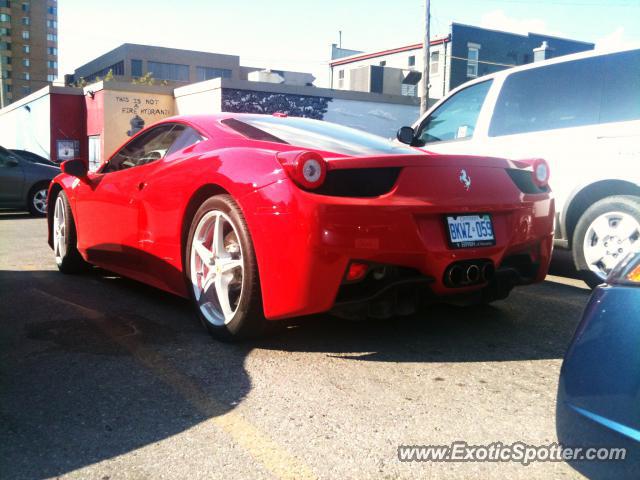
599	392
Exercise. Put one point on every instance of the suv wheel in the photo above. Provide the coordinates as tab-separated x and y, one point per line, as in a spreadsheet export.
605	233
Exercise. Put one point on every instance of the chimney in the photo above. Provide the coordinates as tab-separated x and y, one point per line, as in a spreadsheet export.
543	52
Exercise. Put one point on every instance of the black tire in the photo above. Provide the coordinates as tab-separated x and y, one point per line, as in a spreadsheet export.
34	199
67	259
620	203
248	320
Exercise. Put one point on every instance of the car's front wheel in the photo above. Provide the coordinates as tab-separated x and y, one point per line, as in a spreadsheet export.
222	273
68	259
605	233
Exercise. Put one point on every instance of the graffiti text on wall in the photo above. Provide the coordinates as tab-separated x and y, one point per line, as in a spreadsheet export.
146	106
244	101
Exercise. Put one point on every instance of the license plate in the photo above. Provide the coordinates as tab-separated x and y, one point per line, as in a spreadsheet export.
469	231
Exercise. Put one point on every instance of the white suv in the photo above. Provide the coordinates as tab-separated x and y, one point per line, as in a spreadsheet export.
579	112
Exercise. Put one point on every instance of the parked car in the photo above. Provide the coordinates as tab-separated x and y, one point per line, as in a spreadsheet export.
23	184
33	157
265	217
579	112
599	387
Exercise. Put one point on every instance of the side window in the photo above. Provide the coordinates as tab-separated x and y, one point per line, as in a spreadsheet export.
5	156
456	118
621	95
188	137
557	96
148	147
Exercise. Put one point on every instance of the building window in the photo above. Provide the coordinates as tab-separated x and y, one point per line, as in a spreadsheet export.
412	61
136	68
52	51
472	60
25	34
52	24
51	78
26	76
26	48
52	64
434	64
5	60
116	69
8	88
383	63
25	7
409	90
52	37
208	73
5	3
5	18
52	10
6	74
26	21
5	46
169	71
26	89
5	32
26	62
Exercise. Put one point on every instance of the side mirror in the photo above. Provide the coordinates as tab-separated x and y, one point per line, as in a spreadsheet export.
11	162
405	135
75	168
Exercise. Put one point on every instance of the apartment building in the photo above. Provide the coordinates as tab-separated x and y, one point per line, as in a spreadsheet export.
28	47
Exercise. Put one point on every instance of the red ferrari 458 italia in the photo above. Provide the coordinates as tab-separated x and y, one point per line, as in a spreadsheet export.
258	218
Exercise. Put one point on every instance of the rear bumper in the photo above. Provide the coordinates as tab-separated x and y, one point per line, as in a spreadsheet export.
305	242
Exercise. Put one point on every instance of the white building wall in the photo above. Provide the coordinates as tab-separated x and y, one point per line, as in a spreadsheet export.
27	126
438	77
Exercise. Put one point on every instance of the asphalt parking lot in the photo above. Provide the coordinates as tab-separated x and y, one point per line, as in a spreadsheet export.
102	377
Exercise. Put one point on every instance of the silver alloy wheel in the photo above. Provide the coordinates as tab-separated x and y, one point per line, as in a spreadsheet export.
40	201
217	267
608	239
59	231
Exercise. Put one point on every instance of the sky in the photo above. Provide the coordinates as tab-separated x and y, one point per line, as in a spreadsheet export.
297	34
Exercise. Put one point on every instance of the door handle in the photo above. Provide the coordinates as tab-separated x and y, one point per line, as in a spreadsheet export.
141	185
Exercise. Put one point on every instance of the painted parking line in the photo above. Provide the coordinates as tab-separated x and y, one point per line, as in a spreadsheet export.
262	448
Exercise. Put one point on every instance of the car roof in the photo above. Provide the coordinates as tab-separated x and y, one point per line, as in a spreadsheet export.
551	61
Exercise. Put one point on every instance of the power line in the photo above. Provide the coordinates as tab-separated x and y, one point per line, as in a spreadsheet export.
570	3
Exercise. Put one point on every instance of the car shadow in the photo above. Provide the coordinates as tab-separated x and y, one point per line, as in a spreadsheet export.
15	215
535	323
93	367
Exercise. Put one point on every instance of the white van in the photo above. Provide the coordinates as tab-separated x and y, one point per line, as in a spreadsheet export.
579	112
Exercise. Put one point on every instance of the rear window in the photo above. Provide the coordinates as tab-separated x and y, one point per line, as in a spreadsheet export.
314	135
563	95
621	96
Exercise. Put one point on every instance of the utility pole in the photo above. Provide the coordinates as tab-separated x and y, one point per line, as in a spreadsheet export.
424	94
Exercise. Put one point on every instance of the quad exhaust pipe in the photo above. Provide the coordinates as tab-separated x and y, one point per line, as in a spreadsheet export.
468	273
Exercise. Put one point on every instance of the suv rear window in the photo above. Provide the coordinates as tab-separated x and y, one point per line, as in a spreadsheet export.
314	135
621	96
563	95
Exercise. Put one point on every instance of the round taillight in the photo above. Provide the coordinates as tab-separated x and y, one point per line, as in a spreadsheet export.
311	171
307	169
541	173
